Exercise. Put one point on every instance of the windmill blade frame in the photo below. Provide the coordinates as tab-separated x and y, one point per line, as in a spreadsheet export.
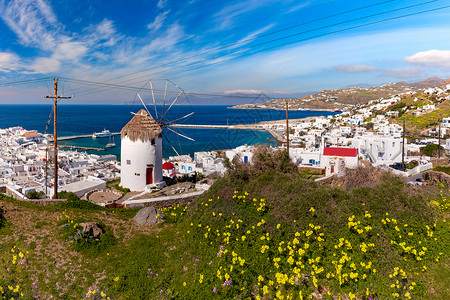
173	148
182	135
171	122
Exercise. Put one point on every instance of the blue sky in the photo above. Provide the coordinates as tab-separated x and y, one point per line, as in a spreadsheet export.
231	47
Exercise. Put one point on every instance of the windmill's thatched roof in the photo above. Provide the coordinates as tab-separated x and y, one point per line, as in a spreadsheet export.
141	127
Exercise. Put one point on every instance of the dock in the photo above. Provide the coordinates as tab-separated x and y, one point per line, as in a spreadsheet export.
273	133
202	126
82	148
243	126
74	137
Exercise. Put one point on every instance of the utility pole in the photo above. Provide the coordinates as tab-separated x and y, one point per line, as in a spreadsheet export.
403	147
439	144
46	160
287	127
55	98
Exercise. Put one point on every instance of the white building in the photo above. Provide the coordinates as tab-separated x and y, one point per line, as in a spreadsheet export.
379	150
304	157
336	160
394	130
209	162
80	188
245	153
447	146
446	122
141	152
168	169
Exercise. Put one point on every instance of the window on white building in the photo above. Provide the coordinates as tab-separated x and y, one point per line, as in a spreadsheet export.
128	162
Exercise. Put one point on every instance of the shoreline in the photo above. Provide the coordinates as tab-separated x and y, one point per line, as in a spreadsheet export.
281	109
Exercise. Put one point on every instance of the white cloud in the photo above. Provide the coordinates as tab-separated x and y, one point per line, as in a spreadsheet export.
34	22
228	14
299	6
355	68
167	40
161	3
44	65
159	21
405	73
430	58
102	34
251	36
8	62
70	51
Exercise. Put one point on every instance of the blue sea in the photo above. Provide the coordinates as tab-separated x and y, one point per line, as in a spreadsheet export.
86	119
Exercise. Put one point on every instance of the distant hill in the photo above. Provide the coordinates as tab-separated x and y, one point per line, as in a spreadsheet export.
339	99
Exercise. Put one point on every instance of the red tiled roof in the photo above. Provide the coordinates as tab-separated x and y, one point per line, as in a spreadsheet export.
334	151
29	134
167	166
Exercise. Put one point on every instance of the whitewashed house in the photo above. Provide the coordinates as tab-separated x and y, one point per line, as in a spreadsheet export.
168	169
379	150
345	130
446	122
335	160
245	153
394	130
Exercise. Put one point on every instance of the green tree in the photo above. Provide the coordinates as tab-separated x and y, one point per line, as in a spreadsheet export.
431	150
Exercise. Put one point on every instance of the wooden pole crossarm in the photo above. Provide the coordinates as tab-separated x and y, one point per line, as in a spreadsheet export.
55	98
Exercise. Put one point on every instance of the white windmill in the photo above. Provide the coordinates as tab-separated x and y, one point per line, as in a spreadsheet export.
141	139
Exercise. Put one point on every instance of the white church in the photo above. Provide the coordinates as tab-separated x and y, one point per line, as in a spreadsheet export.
141	153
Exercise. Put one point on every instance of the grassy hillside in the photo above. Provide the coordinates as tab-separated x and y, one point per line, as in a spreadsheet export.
262	232
410	104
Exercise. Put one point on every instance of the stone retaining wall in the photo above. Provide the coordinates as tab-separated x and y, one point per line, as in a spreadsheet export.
437	176
88	194
46	202
439	161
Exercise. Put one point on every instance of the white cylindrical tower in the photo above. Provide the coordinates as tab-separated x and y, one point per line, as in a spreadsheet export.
141	152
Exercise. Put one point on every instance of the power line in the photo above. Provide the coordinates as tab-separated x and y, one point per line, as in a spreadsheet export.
304	32
252	39
258	37
316	36
134	88
301	40
24	81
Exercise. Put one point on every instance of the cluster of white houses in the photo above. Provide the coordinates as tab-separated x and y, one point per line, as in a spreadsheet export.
333	143
25	157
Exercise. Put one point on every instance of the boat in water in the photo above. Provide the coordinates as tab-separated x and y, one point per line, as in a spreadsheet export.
111	144
104	133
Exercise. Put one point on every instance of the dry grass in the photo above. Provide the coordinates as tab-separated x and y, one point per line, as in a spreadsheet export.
51	261
360	177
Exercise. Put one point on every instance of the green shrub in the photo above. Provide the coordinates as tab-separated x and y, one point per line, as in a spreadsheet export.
82	242
35	195
431	150
91	247
121	188
443	169
67	195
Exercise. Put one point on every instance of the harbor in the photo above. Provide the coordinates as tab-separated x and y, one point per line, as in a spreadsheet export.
74	137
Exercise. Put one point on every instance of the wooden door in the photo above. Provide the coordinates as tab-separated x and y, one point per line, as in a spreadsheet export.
149	176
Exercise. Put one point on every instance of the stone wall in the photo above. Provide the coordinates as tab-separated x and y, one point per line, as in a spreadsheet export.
46	202
436	176
439	161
